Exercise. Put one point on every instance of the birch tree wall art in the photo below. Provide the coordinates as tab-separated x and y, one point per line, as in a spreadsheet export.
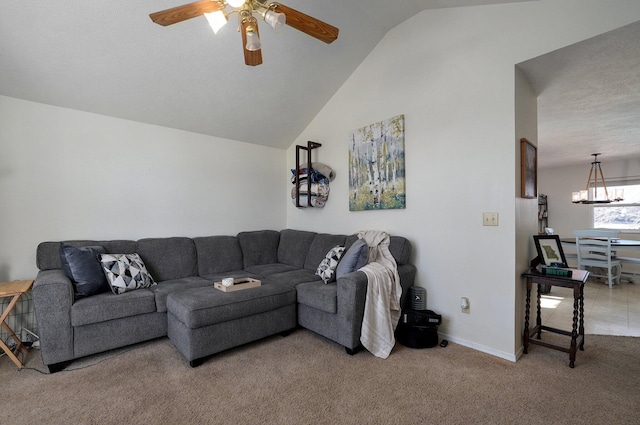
376	166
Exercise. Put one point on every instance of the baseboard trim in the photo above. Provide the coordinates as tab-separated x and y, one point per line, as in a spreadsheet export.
483	348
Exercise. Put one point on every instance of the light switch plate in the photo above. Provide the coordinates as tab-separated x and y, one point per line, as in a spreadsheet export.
490	219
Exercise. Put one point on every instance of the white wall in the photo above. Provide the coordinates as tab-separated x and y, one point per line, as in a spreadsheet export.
451	73
526	113
67	174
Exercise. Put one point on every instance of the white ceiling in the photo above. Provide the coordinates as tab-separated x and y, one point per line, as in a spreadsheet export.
589	99
109	58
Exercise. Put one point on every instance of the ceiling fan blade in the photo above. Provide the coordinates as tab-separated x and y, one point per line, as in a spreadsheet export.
184	12
251	57
307	24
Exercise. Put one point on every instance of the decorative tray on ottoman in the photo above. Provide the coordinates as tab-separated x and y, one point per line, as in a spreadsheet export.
238	284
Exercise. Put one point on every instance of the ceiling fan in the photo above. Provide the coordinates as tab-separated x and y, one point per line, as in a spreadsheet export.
275	14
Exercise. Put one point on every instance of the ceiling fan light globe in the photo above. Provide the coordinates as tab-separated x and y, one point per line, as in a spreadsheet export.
235	3
253	40
216	20
275	19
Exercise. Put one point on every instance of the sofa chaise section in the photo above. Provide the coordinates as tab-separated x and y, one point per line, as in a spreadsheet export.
335	310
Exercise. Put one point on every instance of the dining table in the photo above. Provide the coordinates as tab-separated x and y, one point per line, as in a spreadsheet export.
617	245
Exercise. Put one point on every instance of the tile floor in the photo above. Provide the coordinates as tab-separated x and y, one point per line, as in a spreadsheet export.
614	311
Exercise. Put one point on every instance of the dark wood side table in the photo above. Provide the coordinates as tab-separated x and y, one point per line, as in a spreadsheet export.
575	282
13	289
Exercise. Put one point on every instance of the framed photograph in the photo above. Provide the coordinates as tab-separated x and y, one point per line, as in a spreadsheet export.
529	170
550	250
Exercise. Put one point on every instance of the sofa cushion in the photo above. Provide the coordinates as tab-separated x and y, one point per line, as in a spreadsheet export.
107	306
269	269
355	257
48	253
217	277
319	296
321	244
218	254
125	272
292	277
200	307
327	268
82	267
400	248
169	258
164	288
259	247
293	247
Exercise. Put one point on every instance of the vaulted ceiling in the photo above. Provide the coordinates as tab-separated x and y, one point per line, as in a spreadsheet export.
589	99
110	58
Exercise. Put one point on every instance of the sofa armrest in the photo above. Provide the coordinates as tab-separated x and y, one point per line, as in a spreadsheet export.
407	273
52	297
352	291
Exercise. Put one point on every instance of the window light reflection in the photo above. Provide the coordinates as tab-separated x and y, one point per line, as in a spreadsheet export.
549	301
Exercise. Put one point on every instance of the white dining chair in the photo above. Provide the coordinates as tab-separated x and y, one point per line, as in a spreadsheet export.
593	247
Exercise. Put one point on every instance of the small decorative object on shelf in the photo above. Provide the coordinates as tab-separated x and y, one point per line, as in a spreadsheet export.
543	214
555	271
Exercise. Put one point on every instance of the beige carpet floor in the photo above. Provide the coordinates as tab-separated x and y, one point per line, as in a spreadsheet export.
306	379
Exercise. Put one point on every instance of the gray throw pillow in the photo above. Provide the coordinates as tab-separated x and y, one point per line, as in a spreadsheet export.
82	267
356	256
125	272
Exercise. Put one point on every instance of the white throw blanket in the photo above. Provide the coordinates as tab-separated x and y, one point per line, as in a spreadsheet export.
382	304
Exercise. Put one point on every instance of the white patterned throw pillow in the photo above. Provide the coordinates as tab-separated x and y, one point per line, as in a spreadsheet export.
326	269
125	272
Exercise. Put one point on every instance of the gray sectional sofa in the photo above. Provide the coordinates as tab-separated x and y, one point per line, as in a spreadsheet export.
199	319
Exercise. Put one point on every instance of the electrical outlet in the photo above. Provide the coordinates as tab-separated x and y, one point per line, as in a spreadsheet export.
465	307
490	219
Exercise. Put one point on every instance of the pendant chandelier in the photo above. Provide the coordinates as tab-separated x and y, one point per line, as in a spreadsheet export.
600	194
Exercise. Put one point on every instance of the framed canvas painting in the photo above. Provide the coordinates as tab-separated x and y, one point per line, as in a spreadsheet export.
376	166
529	169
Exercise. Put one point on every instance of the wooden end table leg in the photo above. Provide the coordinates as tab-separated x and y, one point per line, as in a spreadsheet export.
12	356
525	341
5	326
581	324
19	346
539	312
574	327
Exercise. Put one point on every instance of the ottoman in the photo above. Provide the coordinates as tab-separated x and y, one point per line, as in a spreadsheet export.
204	321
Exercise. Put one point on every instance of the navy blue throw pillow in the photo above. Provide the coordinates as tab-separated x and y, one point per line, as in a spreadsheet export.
82	266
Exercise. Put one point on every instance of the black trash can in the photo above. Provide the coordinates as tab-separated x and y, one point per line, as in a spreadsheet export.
418	328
